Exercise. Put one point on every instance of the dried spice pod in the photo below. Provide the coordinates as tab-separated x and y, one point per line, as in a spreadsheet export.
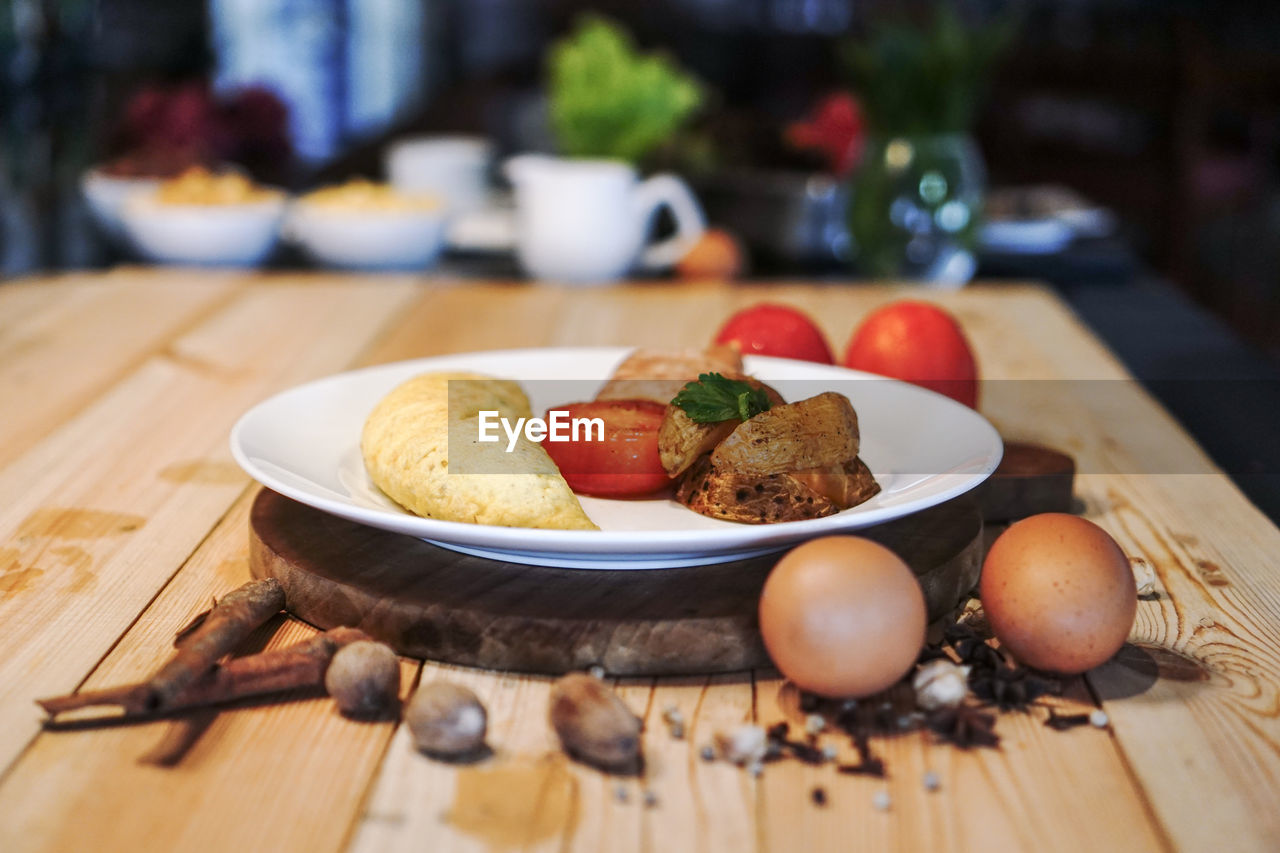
964	726
939	683
364	680
446	720
594	725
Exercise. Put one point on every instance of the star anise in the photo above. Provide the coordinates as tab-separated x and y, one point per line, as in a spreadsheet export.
964	726
1008	687
958	631
977	653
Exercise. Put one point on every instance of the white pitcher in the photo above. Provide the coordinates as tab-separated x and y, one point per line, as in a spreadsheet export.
585	221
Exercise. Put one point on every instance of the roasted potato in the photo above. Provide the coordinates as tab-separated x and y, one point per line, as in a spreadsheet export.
819	432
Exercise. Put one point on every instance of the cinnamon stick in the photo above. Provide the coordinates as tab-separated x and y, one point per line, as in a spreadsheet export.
300	665
233	618
200	643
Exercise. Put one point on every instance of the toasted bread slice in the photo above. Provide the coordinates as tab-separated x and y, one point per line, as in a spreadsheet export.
658	375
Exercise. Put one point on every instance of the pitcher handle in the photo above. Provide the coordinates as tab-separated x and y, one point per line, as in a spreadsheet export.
669	190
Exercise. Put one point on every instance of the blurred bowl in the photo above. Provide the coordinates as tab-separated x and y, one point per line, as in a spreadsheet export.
106	196
364	239
241	235
452	168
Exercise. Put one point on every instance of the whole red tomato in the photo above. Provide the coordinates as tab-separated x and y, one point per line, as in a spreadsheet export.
777	330
619	461
919	343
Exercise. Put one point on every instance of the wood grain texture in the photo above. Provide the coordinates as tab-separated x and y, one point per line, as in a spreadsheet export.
1191	760
1195	700
99	515
59	351
428	602
81	790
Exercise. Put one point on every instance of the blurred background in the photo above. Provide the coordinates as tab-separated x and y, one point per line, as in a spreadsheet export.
1114	140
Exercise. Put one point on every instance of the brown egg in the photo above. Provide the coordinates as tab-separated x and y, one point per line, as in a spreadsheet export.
842	616
717	254
1058	593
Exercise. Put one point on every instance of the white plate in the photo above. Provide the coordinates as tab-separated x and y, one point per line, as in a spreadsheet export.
922	447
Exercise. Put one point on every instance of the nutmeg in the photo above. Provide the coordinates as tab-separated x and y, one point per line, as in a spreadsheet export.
594	725
364	679
446	720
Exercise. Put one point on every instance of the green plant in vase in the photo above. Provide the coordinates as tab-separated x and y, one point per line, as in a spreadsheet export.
609	101
585	216
917	195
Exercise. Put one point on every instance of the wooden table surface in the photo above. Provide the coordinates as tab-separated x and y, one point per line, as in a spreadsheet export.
122	514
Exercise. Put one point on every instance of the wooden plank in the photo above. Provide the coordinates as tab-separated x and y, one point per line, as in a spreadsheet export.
470	317
1211	720
1044	789
524	797
62	342
237	787
701	805
528	796
97	517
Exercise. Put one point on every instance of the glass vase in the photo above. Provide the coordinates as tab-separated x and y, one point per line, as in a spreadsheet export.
915	208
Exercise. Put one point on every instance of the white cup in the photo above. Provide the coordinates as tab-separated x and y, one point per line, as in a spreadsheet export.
585	221
453	168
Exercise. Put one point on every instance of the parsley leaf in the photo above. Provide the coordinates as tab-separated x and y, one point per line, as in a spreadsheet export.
714	398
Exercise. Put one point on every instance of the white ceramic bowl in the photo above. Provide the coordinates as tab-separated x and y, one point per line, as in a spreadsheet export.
106	195
367	239
204	234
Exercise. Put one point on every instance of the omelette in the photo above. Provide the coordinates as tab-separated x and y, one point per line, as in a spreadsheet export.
421	447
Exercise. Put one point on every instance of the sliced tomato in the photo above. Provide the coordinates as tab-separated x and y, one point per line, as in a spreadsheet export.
618	457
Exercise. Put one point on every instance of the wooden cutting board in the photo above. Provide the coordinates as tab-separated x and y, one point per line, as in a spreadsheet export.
432	603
